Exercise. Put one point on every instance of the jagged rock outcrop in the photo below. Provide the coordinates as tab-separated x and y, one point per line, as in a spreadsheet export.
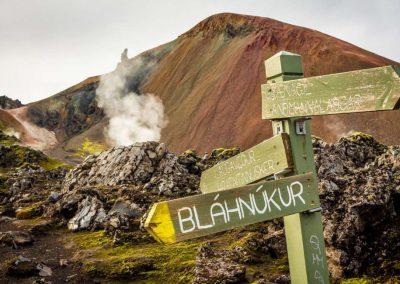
21	189
147	164
360	193
147	169
8	103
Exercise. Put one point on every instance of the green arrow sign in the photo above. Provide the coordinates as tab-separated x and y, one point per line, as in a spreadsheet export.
357	91
268	157
204	214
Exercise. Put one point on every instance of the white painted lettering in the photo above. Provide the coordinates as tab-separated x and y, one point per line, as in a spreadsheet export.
199	225
233	210
186	220
298	194
270	200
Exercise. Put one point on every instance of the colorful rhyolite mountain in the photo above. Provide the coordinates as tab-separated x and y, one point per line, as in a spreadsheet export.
209	81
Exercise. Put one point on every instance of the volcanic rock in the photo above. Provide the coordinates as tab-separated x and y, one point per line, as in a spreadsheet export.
90	215
121	215
146	164
127	181
29	212
359	181
26	190
218	266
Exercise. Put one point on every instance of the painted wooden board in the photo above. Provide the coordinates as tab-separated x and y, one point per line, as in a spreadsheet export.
357	91
270	156
205	214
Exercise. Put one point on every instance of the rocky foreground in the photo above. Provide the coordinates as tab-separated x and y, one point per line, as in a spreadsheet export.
85	224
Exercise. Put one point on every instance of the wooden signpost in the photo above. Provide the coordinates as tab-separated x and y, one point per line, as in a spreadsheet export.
303	231
288	100
205	214
357	91
264	159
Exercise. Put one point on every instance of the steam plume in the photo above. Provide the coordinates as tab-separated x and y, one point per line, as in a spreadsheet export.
132	117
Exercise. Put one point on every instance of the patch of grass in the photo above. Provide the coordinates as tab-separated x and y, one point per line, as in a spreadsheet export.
51	164
89	148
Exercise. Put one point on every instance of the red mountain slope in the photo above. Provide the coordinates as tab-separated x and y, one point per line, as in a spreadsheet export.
210	83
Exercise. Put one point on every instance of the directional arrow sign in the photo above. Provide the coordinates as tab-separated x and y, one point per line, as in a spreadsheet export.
357	91
268	157
204	214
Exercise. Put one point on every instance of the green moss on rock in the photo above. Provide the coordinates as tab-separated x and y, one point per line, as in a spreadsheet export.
29	212
17	156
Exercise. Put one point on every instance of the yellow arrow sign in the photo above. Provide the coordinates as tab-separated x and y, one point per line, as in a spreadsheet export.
205	214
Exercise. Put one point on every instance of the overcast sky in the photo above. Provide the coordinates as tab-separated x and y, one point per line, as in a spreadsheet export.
49	45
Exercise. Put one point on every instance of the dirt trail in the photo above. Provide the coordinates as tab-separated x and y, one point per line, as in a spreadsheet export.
47	248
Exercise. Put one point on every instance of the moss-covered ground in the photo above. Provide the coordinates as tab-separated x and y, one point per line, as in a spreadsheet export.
150	262
366	280
144	262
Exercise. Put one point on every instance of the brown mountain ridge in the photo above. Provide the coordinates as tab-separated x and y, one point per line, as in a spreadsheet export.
209	81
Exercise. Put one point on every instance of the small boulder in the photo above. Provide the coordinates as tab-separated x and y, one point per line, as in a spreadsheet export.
44	270
15	238
22	267
125	207
90	215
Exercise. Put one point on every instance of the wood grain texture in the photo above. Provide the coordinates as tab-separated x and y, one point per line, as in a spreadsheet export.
205	214
357	91
266	158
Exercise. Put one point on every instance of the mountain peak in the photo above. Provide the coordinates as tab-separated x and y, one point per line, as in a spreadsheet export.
231	24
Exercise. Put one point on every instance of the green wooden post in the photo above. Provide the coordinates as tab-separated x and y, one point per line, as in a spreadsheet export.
303	231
